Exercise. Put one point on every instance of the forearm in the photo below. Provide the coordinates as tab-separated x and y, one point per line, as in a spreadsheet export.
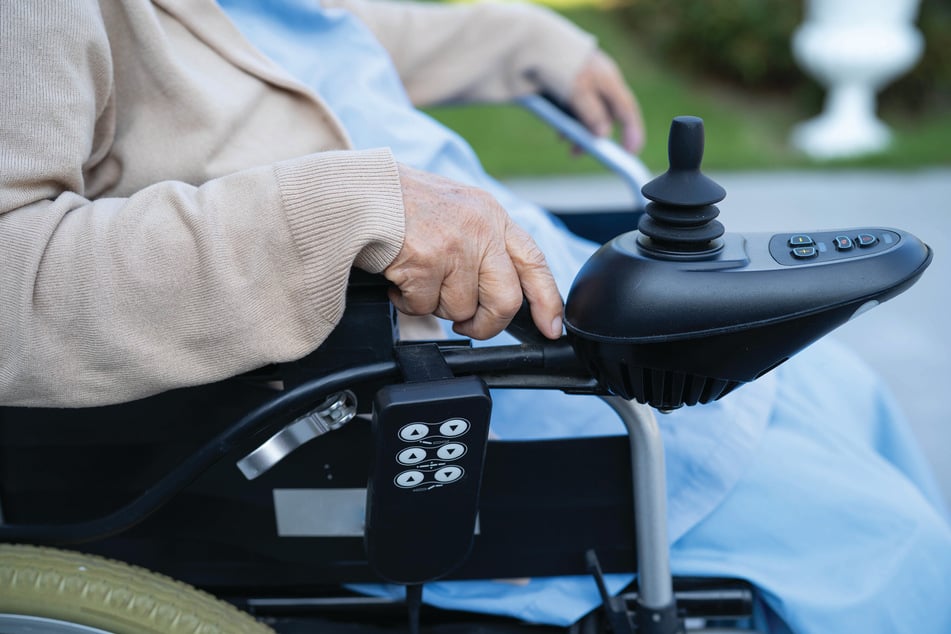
475	52
115	299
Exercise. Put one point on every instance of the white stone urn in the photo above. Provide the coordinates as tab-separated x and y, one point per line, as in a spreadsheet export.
853	48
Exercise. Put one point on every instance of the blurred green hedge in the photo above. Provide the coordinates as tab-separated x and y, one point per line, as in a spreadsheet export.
928	86
747	43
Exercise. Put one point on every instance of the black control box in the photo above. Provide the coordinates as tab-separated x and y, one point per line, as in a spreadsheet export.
423	489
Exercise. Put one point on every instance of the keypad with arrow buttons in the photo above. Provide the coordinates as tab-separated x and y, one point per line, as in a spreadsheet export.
423	491
430	450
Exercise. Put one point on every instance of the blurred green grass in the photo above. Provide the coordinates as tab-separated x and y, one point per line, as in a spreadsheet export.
744	131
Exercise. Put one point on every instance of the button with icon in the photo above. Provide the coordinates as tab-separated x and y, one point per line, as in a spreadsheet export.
414	431
842	243
409	479
451	451
801	240
454	427
804	253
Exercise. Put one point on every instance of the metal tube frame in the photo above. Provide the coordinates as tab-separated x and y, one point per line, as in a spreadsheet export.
657	606
627	166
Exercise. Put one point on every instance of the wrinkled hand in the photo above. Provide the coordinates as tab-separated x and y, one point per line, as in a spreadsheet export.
465	260
600	98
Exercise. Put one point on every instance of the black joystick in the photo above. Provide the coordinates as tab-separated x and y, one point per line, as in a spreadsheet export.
680	220
681	313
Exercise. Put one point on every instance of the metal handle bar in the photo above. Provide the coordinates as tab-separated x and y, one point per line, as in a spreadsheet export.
630	168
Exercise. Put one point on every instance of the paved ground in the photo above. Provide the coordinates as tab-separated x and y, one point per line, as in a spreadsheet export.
908	340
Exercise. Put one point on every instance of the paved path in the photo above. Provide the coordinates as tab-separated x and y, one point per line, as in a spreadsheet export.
908	339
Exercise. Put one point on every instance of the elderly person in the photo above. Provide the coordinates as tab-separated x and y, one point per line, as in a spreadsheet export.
184	187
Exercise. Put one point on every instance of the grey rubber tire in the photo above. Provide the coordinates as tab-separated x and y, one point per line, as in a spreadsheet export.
110	595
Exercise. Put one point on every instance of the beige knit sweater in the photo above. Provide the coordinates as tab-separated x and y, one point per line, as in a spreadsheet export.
175	209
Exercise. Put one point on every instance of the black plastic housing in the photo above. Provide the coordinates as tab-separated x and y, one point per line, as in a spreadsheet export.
422	529
672	332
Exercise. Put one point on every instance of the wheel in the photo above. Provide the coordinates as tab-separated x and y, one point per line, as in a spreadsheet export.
45	590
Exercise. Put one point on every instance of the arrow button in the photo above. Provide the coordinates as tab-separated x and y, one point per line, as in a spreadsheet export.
451	451
414	431
448	474
409	479
411	456
454	427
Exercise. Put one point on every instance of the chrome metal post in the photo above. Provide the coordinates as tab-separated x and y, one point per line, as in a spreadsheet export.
650	502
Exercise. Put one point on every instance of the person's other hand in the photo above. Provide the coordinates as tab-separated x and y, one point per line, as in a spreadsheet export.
465	260
600	98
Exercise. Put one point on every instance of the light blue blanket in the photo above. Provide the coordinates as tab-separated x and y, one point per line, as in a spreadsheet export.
807	482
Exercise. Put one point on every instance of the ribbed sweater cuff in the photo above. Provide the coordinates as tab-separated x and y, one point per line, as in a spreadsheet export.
344	208
561	49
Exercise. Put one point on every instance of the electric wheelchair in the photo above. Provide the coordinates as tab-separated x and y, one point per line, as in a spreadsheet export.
368	460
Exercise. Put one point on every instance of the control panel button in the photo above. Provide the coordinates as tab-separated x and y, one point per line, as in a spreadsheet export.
831	246
804	253
451	451
413	431
454	427
801	240
842	243
411	456
448	474
409	479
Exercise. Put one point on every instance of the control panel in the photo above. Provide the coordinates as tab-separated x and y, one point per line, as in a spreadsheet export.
792	249
432	454
681	312
423	489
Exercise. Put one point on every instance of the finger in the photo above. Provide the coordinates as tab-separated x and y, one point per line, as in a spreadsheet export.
500	297
626	110
459	297
619	101
536	280
634	136
415	294
592	112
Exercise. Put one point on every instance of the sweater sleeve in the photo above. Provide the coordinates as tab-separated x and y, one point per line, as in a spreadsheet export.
475	52
112	299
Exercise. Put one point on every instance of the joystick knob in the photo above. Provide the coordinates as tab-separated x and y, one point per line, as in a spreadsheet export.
680	221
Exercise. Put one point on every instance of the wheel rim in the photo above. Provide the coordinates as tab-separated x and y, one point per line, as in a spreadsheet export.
24	624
